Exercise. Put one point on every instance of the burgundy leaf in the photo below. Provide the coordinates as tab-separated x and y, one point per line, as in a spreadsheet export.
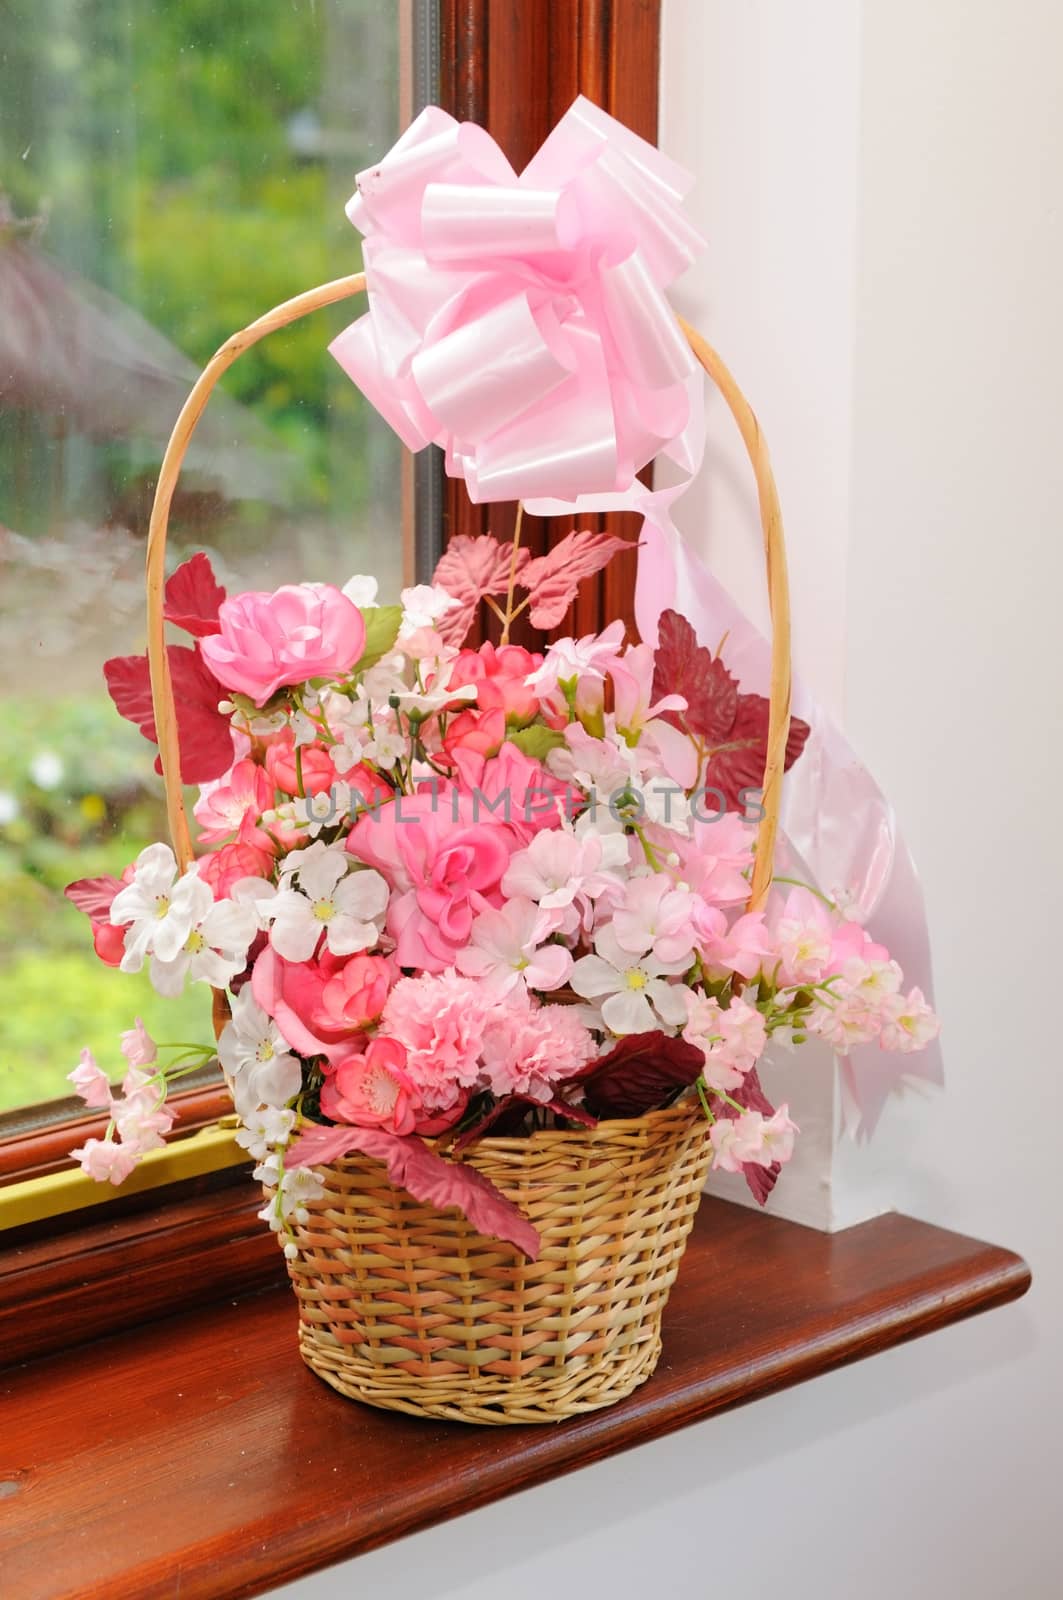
192	597
640	1073
205	738
737	762
553	579
470	567
93	896
427	1177
683	666
751	1097
505	1117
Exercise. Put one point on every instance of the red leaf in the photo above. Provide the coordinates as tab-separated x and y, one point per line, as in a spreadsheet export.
751	1097
683	666
510	1112
205	738
553	579
470	567
734	726
192	597
640	1073
427	1177
93	896
737	762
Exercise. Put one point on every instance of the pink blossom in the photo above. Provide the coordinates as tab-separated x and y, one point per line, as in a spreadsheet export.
739	947
440	1019
304	630
638	716
90	1082
105	1161
716	857
803	936
753	1137
568	660
373	1090
223	806
141	1117
908	1022
137	1045
529	1049
732	1038
225	867
423	644
508	949
322	1006
444	866
500	676
566	873
655	916
318	770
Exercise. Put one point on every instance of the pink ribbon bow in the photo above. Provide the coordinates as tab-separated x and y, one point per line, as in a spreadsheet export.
520	322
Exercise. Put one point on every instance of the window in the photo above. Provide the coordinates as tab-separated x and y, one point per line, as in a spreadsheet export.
168	170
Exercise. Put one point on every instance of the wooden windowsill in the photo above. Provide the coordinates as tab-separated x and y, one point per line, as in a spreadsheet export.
198	1455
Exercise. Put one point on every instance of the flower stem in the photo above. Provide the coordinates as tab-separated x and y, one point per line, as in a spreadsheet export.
514	553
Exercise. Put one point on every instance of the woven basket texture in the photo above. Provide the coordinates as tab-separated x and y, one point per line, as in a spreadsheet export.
409	1308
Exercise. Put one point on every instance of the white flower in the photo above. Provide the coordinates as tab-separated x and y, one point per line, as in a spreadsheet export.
265	1129
506	949
294	1187
347	910
386	746
180	926
570	659
361	591
316	811
255	1056
423	605
634	995
425	701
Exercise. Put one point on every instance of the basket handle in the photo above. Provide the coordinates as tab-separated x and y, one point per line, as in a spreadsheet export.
342	289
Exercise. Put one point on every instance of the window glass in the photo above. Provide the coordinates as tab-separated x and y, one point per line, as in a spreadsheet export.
168	170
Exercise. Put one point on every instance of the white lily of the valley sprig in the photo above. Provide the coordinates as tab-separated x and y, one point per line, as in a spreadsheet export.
633	991
347	907
255	1056
176	922
324	810
265	1128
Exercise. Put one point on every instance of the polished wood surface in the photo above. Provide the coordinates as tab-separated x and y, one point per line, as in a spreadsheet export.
198	1457
516	69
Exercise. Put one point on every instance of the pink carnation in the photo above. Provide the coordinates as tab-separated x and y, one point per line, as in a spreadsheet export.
440	1018
528	1049
303	630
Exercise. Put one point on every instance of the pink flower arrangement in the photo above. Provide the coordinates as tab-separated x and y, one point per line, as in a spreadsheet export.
451	889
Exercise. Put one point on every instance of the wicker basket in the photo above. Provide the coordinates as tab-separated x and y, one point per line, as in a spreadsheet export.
407	1307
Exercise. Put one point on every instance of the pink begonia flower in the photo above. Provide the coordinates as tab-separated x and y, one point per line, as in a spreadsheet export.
803	935
500	676
320	1010
231	863
373	1090
633	989
567	873
440	1018
530	1049
319	773
512	787
481	732
444	867
654	916
908	1022
732	1039
638	716
90	1082
303	630
137	1045
105	1160
741	946
223	806
716	857
507	950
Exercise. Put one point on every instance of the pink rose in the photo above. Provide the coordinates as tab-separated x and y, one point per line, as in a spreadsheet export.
479	731
445	864
303	630
372	1090
511	786
322	1006
499	676
224	867
319	773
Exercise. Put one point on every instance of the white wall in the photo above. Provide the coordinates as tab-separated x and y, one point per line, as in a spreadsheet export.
881	185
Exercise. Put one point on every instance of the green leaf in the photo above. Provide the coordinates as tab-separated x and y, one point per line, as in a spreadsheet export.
382	624
536	741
